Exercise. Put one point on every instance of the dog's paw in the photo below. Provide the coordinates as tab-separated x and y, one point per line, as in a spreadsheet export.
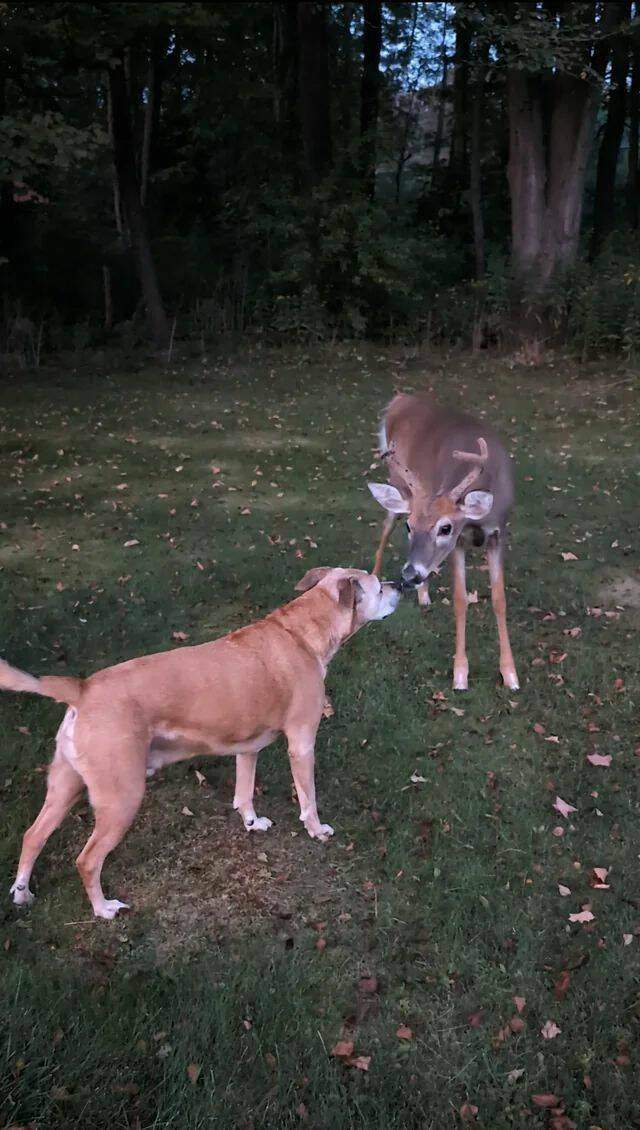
322	832
22	896
108	908
260	824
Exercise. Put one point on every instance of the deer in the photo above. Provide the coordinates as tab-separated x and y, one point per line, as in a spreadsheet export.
451	475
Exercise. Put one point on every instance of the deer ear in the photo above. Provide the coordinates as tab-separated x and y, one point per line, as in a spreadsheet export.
476	505
312	577
389	498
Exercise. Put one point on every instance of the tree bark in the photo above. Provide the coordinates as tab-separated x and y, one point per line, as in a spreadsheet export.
129	191
442	102
633	173
526	174
314	89
458	150
370	93
285	29
475	160
604	203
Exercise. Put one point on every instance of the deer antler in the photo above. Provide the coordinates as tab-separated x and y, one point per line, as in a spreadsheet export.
473	474
391	459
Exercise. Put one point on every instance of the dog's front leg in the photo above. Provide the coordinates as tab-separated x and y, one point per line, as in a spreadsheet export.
243	799
302	760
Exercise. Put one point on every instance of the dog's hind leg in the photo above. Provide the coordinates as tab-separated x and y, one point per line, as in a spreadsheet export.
243	799
63	789
115	778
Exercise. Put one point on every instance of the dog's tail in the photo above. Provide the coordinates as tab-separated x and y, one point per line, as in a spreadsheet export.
64	688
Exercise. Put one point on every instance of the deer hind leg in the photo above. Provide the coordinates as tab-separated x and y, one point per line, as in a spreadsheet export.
460	601
387	530
495	559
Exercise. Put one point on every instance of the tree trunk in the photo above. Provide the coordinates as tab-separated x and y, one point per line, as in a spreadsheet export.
604	203
314	89
633	174
285	29
526	174
370	93
458	150
442	101
129	189
475	163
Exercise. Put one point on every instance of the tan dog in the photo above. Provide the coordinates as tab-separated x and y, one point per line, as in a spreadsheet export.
234	695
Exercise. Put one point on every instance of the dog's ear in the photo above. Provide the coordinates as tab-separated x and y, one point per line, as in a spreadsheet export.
312	577
350	592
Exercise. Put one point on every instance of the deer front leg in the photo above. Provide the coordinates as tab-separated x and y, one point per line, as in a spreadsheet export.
495	560
387	530
460	662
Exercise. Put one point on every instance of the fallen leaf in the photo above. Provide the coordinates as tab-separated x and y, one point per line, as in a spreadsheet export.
550	1030
562	807
302	1112
561	986
599	759
582	916
404	1033
129	544
545	1100
416	779
597	880
368	985
180	636
627	939
361	1062
474	1020
193	1071
569	557
514	1075
539	728
472	597
564	891
558	831
187	811
342	1049
517	1024
200	777
520	1003
468	1112
321	944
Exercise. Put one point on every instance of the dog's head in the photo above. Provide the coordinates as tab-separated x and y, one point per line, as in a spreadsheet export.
360	593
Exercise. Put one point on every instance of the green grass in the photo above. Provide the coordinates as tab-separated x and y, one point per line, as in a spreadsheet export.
445	890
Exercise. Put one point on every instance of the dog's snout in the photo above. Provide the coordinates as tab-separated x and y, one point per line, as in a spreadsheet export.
411	575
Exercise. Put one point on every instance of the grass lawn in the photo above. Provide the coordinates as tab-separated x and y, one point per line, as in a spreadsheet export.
139	505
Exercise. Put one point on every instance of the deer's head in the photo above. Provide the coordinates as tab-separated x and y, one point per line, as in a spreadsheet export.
434	523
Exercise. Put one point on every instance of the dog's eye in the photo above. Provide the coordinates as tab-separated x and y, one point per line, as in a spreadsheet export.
445	530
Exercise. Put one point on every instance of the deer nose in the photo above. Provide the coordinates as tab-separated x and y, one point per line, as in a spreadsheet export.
411	575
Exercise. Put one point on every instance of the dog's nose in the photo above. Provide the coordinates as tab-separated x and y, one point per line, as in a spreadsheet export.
411	575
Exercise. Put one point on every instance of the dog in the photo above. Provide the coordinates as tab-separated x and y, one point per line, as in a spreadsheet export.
234	695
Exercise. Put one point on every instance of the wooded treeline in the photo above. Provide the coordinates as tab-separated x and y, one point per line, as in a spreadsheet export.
465	172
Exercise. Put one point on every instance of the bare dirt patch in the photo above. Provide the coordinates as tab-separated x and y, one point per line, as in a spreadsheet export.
623	591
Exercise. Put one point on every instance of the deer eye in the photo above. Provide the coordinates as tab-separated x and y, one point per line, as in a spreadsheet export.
445	530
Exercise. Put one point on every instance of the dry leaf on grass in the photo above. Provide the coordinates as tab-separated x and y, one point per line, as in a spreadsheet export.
569	557
404	1033
193	1071
599	759
550	1030
584	915
545	1101
563	807
468	1112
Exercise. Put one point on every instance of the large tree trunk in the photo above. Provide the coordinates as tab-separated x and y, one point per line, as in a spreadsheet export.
314	89
526	174
633	172
475	160
459	131
285	29
604	203
546	182
129	190
442	99
370	92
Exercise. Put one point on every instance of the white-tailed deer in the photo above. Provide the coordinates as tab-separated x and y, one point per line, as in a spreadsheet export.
425	448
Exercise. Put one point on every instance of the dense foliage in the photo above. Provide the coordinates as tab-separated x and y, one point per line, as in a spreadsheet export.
312	171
